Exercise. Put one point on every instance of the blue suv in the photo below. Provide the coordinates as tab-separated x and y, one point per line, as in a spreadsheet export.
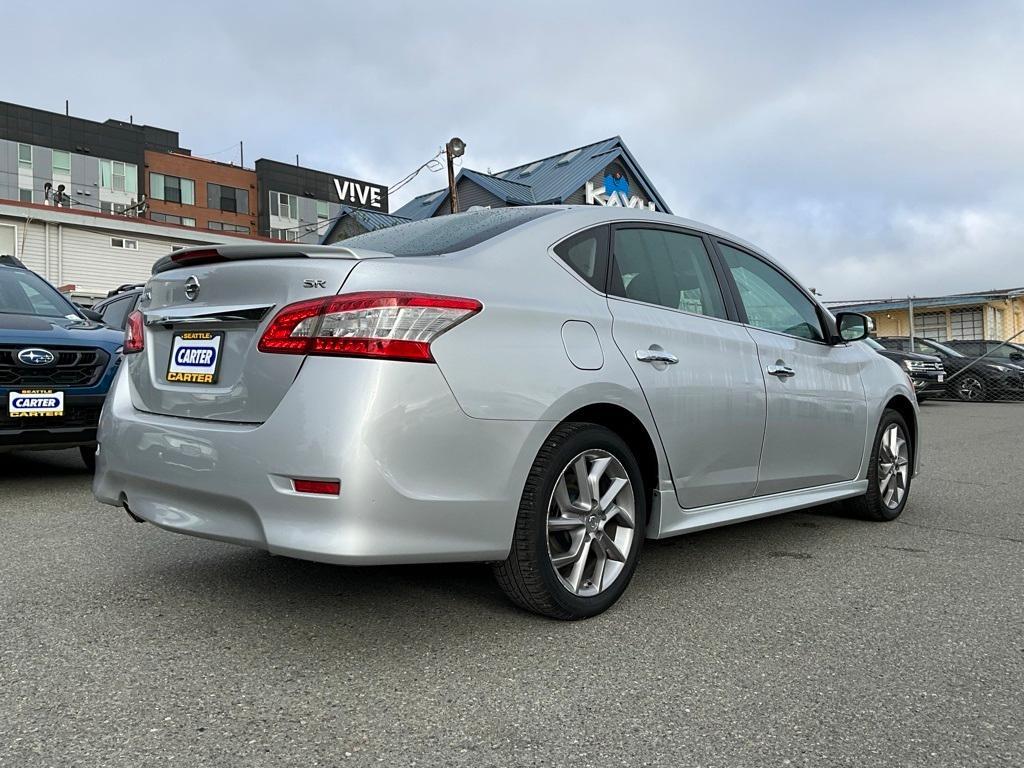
56	366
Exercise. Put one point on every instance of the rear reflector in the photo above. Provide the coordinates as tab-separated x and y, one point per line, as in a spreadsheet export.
134	335
385	324
326	487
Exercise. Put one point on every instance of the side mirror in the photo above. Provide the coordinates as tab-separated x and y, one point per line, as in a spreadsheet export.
91	314
853	326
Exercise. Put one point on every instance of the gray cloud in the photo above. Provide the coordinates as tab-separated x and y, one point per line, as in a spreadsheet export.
876	150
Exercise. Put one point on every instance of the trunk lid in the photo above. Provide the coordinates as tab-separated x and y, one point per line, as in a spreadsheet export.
212	329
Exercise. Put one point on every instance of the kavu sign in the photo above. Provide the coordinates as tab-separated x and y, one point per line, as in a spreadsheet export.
361	194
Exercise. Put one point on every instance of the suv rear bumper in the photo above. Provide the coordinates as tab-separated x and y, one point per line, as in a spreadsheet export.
420	480
77	427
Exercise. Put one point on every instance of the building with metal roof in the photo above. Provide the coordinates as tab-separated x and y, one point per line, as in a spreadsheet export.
994	314
602	173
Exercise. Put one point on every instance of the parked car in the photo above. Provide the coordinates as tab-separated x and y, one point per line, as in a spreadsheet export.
967	378
925	371
991	350
118	304
56	366
540	387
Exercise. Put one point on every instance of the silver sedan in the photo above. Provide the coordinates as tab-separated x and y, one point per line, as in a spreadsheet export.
541	387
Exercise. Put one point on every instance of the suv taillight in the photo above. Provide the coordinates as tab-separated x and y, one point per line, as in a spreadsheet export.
386	324
134	340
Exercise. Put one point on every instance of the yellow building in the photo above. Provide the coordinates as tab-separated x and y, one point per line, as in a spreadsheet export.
995	315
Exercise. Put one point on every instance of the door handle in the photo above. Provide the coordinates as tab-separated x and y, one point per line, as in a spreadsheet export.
656	356
782	371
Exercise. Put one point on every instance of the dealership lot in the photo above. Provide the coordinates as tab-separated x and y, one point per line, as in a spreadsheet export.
806	639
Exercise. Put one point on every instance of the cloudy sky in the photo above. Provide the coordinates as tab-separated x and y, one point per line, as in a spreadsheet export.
875	148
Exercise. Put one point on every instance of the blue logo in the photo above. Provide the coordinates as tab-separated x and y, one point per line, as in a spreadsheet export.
37	357
195	357
616	181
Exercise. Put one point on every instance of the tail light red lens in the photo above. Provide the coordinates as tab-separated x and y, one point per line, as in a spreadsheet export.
325	487
134	338
385	324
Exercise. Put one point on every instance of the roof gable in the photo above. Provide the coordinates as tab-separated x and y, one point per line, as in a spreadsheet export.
548	180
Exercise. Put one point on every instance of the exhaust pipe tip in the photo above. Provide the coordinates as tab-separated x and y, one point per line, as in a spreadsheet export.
132	515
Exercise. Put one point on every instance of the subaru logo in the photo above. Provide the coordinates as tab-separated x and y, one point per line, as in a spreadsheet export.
37	357
191	287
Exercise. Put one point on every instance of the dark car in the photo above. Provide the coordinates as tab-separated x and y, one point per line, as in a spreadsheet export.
926	371
993	351
56	366
118	304
967	378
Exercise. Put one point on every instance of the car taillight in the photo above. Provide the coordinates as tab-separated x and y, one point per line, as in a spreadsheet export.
134	340
387	324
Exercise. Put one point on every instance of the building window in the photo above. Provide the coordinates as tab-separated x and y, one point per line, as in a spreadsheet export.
119	177
169	218
172	189
61	162
125	243
967	324
25	195
116	208
24	154
221	226
323	210
284	205
930	325
224	198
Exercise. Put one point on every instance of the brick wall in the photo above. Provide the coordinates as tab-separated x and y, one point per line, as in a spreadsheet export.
202	172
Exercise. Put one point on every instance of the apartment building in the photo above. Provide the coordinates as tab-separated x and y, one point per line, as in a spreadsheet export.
195	192
300	204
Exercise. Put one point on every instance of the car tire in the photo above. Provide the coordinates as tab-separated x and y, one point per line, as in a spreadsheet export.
88	453
883	502
559	519
971	388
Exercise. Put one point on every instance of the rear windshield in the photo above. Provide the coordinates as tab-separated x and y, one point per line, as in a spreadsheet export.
445	234
25	293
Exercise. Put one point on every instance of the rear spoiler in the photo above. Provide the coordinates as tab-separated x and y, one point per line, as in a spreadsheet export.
212	254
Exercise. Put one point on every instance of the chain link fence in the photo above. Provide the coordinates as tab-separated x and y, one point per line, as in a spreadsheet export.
974	370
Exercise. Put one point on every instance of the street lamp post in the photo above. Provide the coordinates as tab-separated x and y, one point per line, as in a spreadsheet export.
456	147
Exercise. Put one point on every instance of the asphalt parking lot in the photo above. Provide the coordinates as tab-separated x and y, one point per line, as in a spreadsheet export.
809	639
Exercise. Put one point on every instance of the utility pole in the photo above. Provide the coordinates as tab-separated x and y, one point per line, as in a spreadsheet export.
455	147
241	154
910	311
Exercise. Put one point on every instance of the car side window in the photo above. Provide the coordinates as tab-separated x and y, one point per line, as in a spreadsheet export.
587	255
771	300
115	312
670	269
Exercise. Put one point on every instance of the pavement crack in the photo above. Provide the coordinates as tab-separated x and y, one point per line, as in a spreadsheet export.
965	533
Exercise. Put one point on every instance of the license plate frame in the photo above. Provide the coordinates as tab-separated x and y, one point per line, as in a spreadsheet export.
195	368
18	408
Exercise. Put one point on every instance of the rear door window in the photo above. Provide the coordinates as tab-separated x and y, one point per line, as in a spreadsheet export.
666	268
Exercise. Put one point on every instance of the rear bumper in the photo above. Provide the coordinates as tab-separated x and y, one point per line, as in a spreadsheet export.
420	480
76	427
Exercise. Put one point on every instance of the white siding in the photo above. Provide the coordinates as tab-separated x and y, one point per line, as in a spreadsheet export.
81	254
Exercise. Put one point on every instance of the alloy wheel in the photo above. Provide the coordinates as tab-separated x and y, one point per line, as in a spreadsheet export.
970	388
893	466
591	523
